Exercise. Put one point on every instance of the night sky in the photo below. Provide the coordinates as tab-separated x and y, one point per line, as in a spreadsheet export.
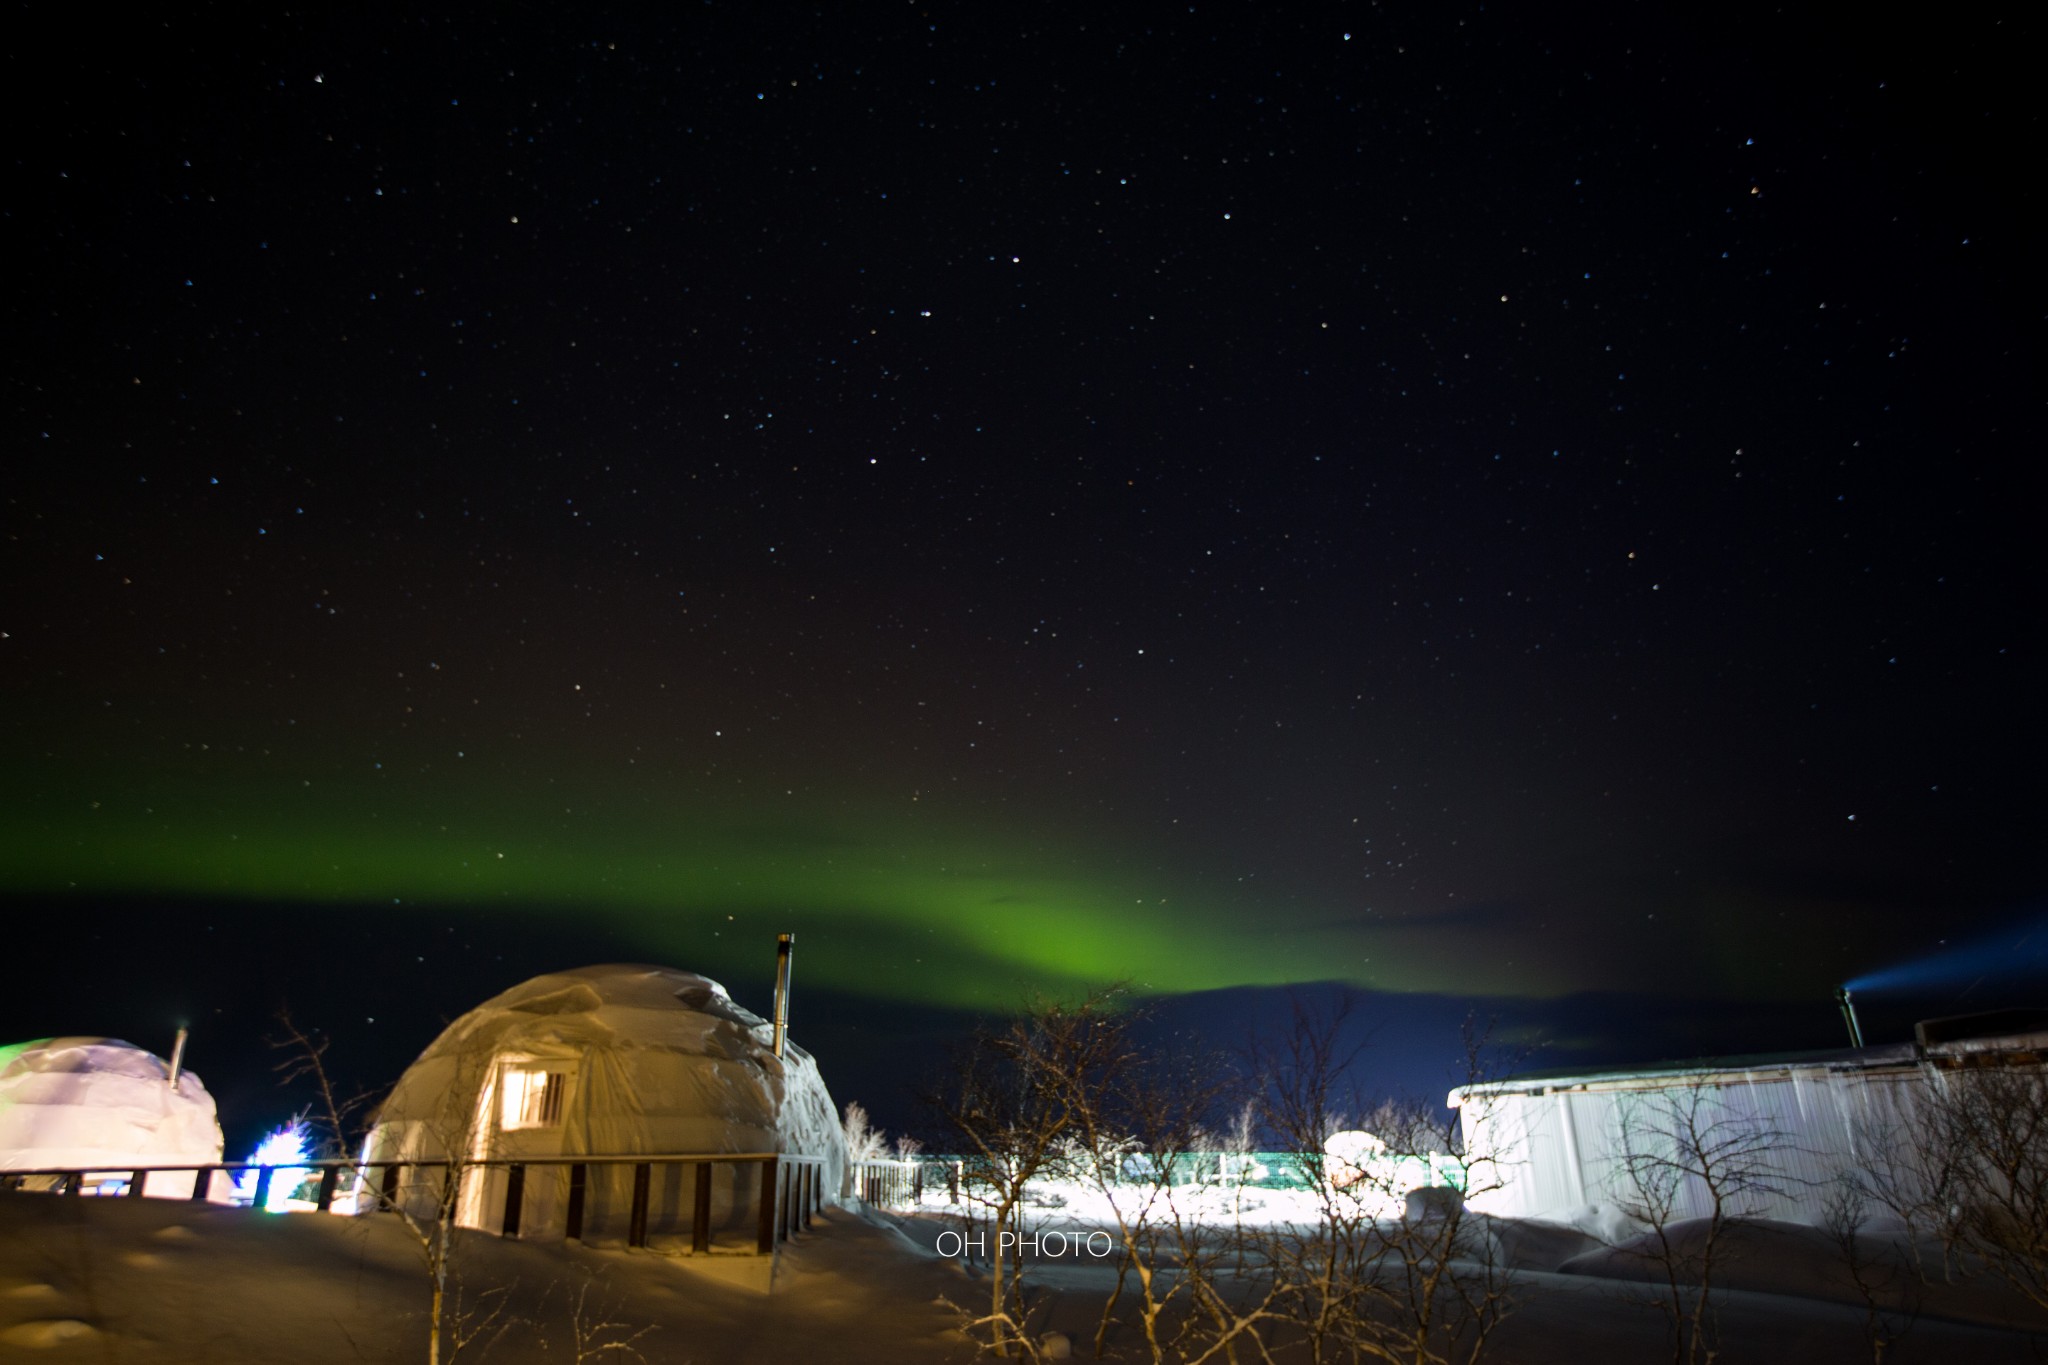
1494	507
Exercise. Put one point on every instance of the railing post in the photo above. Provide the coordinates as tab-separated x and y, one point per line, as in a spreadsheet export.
388	1186
137	1181
329	1178
77	1185
636	1234
764	1226
515	1195
700	1216
261	1200
578	1176
202	1184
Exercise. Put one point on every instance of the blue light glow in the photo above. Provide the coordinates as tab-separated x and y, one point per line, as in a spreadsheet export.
284	1150
2018	951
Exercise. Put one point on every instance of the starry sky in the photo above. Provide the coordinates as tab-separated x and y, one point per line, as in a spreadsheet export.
1483	506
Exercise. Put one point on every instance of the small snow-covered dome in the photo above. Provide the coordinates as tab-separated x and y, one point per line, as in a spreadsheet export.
100	1104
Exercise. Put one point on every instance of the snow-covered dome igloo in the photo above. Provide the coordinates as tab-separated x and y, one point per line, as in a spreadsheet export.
617	1060
99	1104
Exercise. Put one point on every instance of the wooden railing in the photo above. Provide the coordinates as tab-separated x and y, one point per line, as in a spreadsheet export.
789	1194
885	1184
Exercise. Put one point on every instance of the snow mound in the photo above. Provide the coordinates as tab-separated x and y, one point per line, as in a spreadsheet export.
47	1332
1602	1222
1526	1244
1802	1261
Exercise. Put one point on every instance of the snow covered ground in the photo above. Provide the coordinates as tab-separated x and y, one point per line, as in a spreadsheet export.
145	1281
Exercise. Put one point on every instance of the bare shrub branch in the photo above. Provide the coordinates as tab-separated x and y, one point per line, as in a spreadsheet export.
1693	1165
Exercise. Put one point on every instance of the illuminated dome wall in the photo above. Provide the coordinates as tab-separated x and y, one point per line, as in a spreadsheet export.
618	1060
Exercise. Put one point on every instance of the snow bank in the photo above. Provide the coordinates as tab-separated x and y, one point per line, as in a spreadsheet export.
1807	1262
226	1286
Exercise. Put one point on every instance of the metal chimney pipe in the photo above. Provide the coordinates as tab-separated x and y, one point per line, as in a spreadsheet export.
785	944
178	1057
1849	1016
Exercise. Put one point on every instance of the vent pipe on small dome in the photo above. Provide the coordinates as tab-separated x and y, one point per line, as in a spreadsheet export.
1849	1016
785	944
177	1058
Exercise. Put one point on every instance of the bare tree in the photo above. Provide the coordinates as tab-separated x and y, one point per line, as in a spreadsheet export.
1441	1286
1885	1274
1069	1090
1958	1153
1140	1140
1010	1107
1425	1287
478	1320
430	1196
303	1057
1304	1095
596	1332
1693	1166
428	1193
1975	1167
1902	1167
864	1141
1240	1135
1108	1153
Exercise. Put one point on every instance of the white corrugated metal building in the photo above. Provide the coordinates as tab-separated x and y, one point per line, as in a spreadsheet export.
1543	1144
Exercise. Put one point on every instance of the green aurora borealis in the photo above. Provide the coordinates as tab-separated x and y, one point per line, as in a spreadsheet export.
921	909
947	817
901	900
